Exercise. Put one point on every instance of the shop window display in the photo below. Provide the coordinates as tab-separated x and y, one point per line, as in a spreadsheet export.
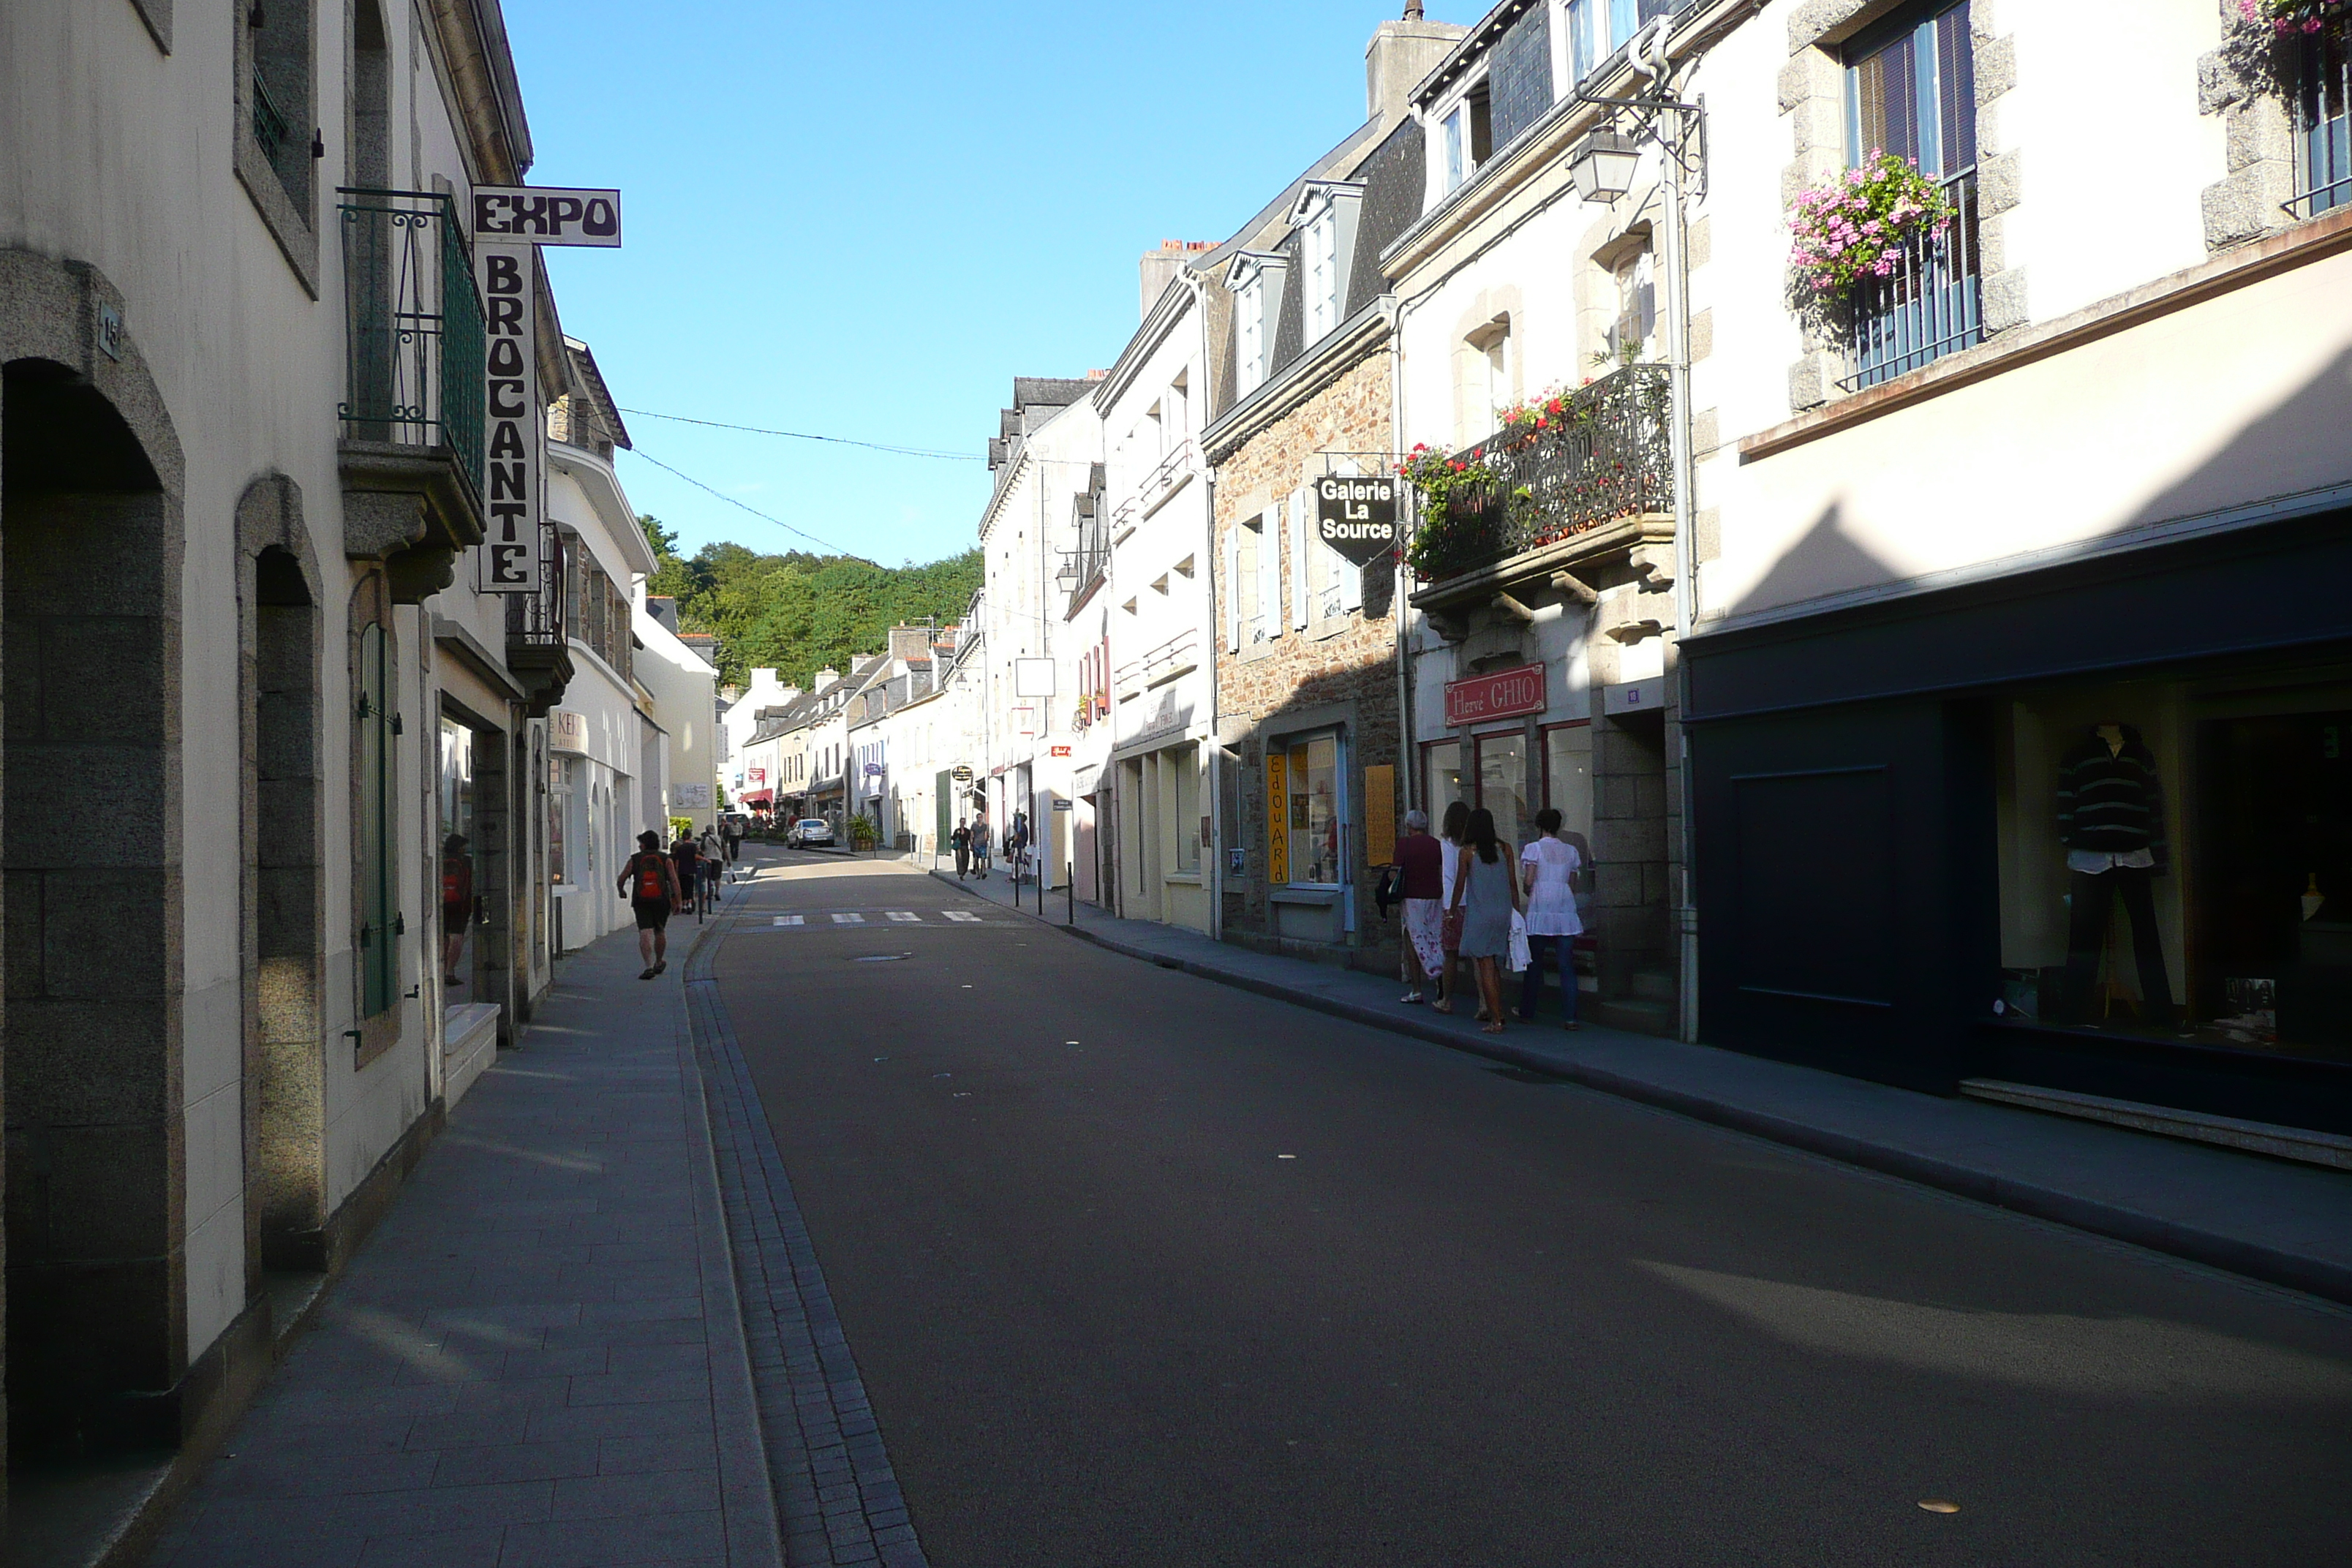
2177	862
1313	804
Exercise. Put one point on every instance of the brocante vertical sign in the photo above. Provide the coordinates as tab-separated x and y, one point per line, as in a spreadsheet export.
509	221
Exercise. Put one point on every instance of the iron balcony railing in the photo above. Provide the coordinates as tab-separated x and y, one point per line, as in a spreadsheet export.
416	325
536	619
1930	306
271	130
1606	456
2322	118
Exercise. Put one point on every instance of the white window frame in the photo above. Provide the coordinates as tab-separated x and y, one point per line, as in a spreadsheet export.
1255	279
1322	246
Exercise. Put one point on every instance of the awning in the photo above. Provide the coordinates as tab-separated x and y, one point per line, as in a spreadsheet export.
757	798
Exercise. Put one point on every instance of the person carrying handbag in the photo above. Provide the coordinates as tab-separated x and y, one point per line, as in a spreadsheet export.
1487	891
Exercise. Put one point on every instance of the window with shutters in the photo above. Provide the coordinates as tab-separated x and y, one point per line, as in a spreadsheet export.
1911	91
379	916
1633	336
2320	110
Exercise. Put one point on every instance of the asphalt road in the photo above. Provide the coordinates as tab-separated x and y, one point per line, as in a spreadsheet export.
1140	1269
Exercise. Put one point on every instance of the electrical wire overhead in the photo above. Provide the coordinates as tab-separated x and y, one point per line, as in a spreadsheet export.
804	435
730	500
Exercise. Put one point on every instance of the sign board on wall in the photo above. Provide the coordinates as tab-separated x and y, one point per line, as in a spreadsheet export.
1357	516
543	215
1057	751
1380	816
514	467
1504	694
693	796
567	731
510	223
1033	677
1277	815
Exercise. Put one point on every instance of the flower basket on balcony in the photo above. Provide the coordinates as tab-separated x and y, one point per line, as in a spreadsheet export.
1855	228
2285	18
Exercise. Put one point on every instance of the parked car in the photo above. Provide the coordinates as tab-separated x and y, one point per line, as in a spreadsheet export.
810	833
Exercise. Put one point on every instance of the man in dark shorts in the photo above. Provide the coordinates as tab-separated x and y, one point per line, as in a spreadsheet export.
650	884
686	856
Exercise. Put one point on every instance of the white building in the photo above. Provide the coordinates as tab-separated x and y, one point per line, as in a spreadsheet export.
241	473
743	711
609	754
1046	463
683	685
1162	761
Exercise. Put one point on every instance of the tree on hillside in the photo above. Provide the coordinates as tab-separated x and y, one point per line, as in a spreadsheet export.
798	613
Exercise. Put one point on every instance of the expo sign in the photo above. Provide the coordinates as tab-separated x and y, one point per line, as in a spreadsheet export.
510	222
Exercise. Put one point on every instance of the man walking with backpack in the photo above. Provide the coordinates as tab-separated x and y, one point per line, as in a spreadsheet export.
650	884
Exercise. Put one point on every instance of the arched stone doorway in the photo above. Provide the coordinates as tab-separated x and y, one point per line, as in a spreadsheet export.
89	872
281	838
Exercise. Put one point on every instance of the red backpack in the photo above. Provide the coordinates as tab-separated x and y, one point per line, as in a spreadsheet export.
652	886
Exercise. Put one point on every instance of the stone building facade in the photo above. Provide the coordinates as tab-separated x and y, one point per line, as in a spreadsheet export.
1281	688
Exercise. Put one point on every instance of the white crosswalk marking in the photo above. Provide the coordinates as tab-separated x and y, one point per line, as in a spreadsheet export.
965	916
790	919
849	919
906	917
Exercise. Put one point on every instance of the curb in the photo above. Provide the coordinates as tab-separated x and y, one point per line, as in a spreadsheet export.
2313	1276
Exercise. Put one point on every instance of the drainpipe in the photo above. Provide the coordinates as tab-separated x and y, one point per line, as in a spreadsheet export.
1648	57
1409	757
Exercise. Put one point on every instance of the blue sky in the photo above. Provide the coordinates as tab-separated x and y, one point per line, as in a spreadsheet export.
865	220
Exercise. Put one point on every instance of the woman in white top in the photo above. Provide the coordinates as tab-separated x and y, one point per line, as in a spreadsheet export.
1550	864
1451	828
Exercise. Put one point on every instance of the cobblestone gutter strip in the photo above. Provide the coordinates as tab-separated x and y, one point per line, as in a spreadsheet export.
747	1497
2315	1276
835	1493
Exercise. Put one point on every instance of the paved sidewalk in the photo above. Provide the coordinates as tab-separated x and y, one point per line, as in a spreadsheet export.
538	1360
2287	1224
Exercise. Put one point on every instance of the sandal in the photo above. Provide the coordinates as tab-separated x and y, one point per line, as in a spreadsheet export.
1410	997
1493	1028
1440	1007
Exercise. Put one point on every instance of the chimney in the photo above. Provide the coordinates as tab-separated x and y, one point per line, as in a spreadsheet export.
827	678
1400	55
1160	266
730	694
909	644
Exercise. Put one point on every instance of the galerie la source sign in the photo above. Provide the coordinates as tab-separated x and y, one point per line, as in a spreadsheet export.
510	222
1357	516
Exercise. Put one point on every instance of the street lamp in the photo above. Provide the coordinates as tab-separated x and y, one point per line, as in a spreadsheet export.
1603	169
1602	165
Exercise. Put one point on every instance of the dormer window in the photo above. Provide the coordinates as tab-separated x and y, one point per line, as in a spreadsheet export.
1254	280
1325	219
1466	133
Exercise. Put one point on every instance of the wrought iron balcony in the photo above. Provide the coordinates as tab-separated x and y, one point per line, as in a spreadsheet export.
416	341
1930	306
1607	456
537	651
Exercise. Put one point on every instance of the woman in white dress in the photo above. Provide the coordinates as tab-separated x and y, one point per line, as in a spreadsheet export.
1550	864
1451	828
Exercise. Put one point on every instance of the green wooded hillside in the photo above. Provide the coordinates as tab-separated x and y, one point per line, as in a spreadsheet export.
798	613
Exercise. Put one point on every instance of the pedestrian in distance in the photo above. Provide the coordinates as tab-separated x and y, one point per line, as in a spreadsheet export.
1420	864
1487	891
649	881
713	861
733	836
1550	865
1449	846
962	839
980	857
686	857
457	902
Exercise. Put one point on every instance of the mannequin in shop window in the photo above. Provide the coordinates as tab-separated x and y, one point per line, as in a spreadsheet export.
2111	820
